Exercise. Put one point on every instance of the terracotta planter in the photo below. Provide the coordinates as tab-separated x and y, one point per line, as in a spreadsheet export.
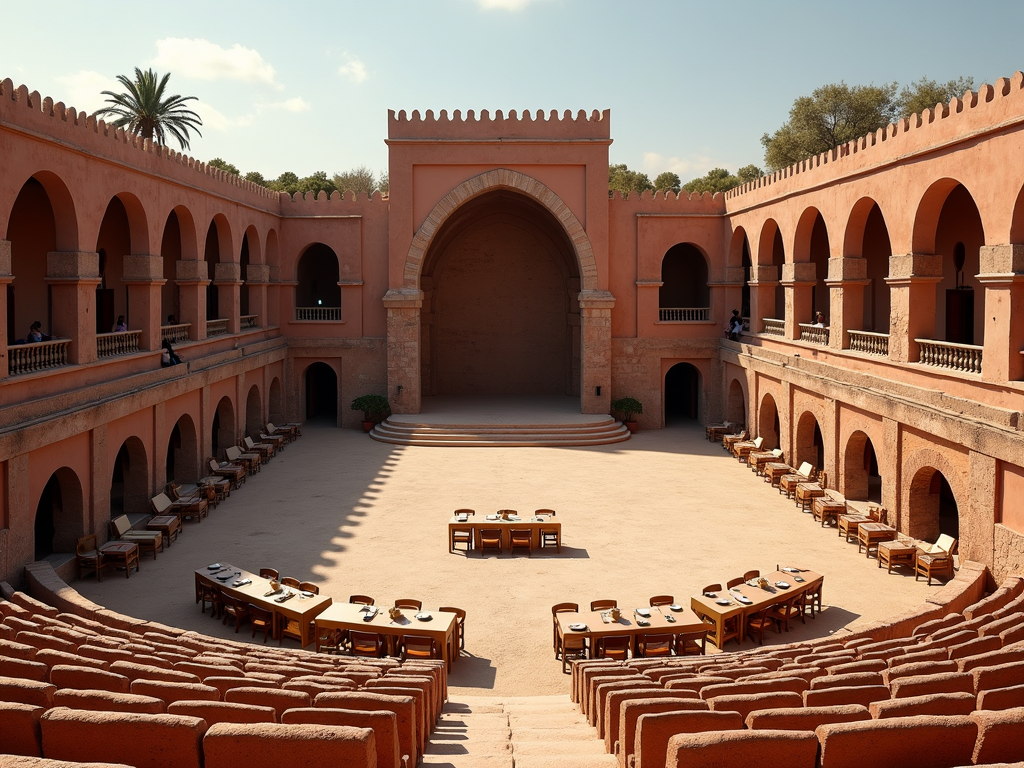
368	425
630	425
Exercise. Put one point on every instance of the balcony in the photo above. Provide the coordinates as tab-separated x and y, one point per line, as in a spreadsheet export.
773	326
965	358
814	334
175	334
117	343
29	358
869	343
249	321
318	313
216	327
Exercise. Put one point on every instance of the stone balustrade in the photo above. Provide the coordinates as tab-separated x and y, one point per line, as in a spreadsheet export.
684	314
176	334
773	326
869	343
965	358
746	324
249	321
117	343
318	313
216	327
28	358
814	334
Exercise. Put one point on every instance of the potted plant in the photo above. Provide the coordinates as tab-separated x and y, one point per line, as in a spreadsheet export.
375	409
628	407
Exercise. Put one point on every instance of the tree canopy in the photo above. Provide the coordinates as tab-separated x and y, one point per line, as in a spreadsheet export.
621	179
361	179
224	165
144	110
720	180
925	94
667	181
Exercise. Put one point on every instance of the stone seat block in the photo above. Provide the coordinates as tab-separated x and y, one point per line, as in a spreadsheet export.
383	723
148	672
990	659
404	708
14	649
278	698
21	733
262	745
919	668
69	676
225	684
860	694
622	742
653	732
223	711
929	704
25	670
847	681
741	749
25	691
773	685
997	676
608	725
1001	698
171	692
745	703
107	701
1000	736
805	718
919	741
943	682
975	647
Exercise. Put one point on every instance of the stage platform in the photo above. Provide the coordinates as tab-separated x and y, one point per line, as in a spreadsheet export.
500	422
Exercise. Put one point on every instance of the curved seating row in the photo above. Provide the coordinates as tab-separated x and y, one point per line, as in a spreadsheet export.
949	691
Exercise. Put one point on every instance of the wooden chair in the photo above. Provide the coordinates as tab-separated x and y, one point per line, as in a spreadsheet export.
209	593
734	582
249	459
409	604
692	643
544	513
520	538
277	441
261	618
728	441
369	644
603	605
191	507
551	537
812	597
654	645
807	492
361	599
507	513
290	581
460	623
266	450
935	560
804	474
237	610
758	622
464	536
743	448
613	647
217	488
331	641
418	647
792	608
574	648
490	538
712	588
233	473
269	573
849	525
751	575
555	610
148	541
89	557
661	600
288	431
308	586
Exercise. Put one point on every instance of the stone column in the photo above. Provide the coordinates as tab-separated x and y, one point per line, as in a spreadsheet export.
889	468
19	537
1002	275
158	455
596	352
727	295
403	342
227	277
274	292
144	276
798	280
978	511
97	504
6	278
763	281
257	281
191	279
847	278
912	279
73	277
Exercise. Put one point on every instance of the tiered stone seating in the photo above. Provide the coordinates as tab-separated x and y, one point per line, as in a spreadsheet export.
943	691
82	684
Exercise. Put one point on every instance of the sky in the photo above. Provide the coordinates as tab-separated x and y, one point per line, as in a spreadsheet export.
306	86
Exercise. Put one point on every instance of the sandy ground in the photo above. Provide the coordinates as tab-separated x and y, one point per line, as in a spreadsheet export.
665	513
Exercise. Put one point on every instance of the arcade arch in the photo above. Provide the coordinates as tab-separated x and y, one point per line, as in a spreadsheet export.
276	403
736	404
222	430
113	243
684	282
129	480
861	478
932	507
682	393
32	233
253	411
812	245
768	423
59	519
771	251
318	295
809	443
182	464
867	237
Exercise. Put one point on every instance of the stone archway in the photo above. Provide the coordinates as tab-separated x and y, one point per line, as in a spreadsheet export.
768	423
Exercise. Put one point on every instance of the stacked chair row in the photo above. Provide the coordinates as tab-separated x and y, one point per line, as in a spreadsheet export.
951	694
84	689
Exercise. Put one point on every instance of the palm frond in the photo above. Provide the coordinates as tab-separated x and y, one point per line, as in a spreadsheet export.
143	110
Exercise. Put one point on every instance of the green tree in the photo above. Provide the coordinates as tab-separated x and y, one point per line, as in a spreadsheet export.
831	116
256	177
925	94
359	179
667	180
715	180
144	110
383	183
621	179
749	173
286	182
224	165
316	183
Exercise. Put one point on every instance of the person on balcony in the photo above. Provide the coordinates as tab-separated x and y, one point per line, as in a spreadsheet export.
169	357
172	320
121	325
819	320
35	333
735	325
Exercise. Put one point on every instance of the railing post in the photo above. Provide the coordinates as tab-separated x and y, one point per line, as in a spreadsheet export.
763	281
191	278
73	277
1002	275
257	279
912	296
798	281
228	281
847	277
144	276
6	278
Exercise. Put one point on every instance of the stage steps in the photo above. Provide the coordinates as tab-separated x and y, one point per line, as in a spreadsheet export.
601	430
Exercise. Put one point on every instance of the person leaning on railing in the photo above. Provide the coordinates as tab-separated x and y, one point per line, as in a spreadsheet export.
169	357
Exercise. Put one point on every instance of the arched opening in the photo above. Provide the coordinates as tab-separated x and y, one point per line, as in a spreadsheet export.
861	479
129	481
809	443
745	293
182	465
682	393
768	423
113	244
222	431
321	393
684	292
933	508
253	412
59	518
211	253
736	404
243	261
170	251
32	233
318	295
867	236
501	310
272	260
812	246
276	402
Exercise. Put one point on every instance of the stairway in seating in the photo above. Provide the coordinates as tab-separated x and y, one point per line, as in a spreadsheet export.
600	430
514	732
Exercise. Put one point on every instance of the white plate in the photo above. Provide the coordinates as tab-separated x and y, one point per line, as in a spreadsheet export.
307	594
675	607
724	602
462	518
424	616
214	567
577	627
645	612
743	599
782	584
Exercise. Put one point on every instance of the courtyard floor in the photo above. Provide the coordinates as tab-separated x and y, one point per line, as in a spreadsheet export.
664	513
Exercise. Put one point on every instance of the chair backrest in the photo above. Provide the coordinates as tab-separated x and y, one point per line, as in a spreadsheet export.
420	644
121	525
271	428
490	534
248	443
160	503
805	469
308	586
777	453
758	442
260	614
232	452
361	599
409	603
751	575
943	546
565	608
734	582
457	611
823	479
214	466
603	605
171	489
86	545
290	581
466	512
543	512
617	642
662	600
519	535
268	573
712	588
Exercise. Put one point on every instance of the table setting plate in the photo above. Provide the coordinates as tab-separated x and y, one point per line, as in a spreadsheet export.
782	584
577	627
214	567
723	602
675	607
423	616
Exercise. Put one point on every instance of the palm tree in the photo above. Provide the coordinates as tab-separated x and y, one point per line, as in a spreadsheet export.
145	111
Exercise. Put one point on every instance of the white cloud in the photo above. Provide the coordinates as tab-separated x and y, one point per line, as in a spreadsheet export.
83	90
504	5
353	70
687	167
215	120
202	60
297	104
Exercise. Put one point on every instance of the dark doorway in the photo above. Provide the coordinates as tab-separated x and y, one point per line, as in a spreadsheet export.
321	392
949	515
51	505
122	466
682	393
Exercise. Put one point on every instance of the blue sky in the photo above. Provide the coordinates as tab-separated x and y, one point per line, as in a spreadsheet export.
306	86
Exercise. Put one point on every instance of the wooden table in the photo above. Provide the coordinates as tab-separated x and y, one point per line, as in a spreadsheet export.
169	525
597	626
533	524
870	534
121	553
806	493
893	552
827	510
297	610
789	482
757	460
714	432
848	525
443	627
774	470
759	599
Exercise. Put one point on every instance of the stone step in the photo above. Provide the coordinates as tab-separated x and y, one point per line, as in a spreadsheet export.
553	720
504	760
555	734
601	431
564	761
557	747
474	747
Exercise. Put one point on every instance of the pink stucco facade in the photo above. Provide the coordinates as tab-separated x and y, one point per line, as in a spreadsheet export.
499	264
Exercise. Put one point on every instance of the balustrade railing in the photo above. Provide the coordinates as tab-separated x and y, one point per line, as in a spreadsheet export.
869	343
249	321
746	324
684	314
814	334
773	326
955	357
27	358
117	343
216	327
318	313
176	334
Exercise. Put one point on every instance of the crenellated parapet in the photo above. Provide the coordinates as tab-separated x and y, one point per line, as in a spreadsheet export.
335	204
666	202
1000	104
19	107
471	126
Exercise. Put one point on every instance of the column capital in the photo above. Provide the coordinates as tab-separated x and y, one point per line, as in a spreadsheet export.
847	268
5	258
189	272
591	299
142	268
801	272
403	298
228	273
73	265
764	275
914	265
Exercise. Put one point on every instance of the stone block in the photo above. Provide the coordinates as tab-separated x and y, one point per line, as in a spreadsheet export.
805	718
1000	736
69	676
653	732
383	723
279	699
169	692
21	733
918	741
108	701
69	265
404	708
223	711
740	749
261	745
23	691
929	704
